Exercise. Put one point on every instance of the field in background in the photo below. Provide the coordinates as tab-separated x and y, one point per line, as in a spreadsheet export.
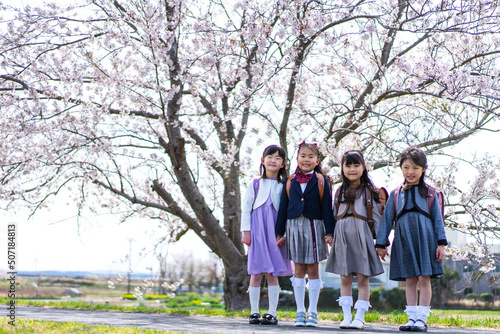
95	293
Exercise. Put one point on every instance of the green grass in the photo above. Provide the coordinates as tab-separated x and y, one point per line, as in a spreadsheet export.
23	326
446	318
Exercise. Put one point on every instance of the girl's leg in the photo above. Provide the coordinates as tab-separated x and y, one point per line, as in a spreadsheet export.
363	303
424	308
411	303
254	295
312	270
255	280
363	287
345	300
273	291
411	291
346	285
425	290
299	291
314	285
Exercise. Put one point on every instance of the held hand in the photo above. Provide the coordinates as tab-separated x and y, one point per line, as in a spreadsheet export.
246	239
329	240
280	241
382	252
440	253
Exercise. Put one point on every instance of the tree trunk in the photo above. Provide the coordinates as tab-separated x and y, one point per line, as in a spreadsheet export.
236	282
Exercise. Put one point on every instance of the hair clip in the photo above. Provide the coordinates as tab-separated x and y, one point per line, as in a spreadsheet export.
304	143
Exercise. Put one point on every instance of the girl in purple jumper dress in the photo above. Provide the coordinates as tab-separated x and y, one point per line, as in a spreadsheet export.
258	220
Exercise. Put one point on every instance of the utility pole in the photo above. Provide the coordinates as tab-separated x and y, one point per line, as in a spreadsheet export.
129	263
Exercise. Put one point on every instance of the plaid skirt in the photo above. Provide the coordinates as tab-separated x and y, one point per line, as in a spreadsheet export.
414	248
305	240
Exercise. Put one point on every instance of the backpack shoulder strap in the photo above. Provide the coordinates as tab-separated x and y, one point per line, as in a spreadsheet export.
369	205
440	197
256	183
431	194
321	185
336	199
289	184
369	212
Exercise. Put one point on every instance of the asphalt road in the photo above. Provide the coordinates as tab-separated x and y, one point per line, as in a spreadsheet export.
203	324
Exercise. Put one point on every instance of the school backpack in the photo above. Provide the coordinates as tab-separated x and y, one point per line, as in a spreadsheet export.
382	194
431	195
321	185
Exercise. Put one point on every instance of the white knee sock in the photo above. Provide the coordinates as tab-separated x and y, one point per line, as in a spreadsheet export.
314	286
299	291
422	313
361	307
273	291
346	303
254	295
412	315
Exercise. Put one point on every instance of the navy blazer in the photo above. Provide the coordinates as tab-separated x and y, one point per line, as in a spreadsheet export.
307	204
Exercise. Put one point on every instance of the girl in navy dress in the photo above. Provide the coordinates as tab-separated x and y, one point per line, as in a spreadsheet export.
419	238
258	221
306	216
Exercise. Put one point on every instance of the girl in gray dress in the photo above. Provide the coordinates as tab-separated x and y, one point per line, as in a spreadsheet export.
353	252
419	237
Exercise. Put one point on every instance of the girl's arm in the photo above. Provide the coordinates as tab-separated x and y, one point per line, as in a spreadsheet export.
377	216
386	223
326	207
247	207
281	220
438	223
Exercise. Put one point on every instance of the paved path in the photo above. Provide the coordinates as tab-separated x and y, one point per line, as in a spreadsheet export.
202	324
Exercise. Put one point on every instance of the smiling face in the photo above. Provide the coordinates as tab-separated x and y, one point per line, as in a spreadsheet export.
273	163
353	173
412	172
307	160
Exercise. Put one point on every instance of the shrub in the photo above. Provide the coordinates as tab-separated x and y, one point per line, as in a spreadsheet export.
328	298
129	297
488	297
395	298
471	296
376	298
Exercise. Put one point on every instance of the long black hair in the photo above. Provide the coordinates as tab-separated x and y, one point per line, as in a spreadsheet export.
270	150
347	194
418	157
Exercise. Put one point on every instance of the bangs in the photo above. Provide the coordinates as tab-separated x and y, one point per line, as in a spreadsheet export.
353	158
270	150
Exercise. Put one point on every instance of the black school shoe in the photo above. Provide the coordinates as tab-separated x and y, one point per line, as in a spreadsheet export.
419	328
407	328
269	319
254	319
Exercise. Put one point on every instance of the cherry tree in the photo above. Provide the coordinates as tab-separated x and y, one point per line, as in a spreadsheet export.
154	109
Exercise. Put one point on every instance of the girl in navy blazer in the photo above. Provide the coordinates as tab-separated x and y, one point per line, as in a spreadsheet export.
305	224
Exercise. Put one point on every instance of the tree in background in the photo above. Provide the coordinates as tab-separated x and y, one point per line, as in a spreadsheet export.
154	109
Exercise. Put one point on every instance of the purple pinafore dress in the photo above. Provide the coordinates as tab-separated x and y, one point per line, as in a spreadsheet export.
264	256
